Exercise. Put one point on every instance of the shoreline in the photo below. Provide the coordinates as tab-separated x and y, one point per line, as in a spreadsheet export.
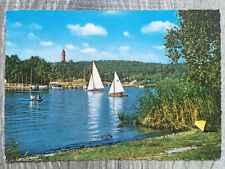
104	142
25	88
78	84
187	145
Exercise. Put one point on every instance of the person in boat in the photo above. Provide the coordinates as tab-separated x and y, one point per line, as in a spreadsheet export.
33	97
38	97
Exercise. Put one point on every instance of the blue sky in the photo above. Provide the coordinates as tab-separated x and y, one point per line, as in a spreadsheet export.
89	35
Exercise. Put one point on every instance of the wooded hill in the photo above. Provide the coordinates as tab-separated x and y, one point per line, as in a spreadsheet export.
67	71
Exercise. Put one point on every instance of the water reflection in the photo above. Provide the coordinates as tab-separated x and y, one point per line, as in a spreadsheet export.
94	106
116	105
67	117
33	104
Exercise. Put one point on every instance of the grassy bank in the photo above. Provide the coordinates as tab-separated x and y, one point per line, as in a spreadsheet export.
190	145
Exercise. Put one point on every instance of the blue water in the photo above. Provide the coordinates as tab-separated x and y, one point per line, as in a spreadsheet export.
68	119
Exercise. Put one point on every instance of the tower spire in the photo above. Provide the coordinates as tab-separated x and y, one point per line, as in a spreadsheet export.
63	56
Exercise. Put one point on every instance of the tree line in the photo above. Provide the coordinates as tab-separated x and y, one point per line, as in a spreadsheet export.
39	71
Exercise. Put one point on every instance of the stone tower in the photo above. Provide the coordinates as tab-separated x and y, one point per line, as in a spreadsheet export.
63	56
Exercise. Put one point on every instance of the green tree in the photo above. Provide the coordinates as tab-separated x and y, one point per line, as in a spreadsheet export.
196	39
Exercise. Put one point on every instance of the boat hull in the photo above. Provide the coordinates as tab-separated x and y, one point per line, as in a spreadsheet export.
39	100
118	95
43	87
95	90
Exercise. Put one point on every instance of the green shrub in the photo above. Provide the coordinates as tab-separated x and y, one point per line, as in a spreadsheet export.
12	150
177	105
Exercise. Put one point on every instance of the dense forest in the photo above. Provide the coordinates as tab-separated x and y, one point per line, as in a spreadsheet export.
43	72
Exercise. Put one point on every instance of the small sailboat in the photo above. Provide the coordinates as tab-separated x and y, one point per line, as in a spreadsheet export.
57	87
43	87
32	87
95	82
84	82
116	89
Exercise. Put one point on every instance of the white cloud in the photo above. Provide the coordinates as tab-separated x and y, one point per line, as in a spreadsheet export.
71	47
88	29
88	50
35	26
126	34
17	24
124	48
8	43
112	12
85	44
31	35
159	47
46	43
157	26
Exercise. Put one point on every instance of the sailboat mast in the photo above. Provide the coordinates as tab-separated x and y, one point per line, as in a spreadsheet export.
26	78
31	77
114	83
44	78
84	78
92	73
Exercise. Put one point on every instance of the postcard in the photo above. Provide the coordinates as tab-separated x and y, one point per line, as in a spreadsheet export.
113	85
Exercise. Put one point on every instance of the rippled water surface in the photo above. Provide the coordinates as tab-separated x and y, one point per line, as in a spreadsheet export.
69	118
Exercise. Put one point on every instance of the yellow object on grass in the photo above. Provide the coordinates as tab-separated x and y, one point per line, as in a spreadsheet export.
201	124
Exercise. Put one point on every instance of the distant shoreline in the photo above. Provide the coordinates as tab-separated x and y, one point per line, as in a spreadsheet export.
69	85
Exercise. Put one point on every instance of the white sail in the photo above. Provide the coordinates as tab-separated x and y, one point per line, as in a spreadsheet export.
91	83
95	80
116	86
111	90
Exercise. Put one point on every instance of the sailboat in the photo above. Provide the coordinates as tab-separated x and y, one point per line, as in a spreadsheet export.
43	87
32	87
95	82
116	89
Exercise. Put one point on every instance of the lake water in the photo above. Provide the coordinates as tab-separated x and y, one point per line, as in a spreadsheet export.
68	119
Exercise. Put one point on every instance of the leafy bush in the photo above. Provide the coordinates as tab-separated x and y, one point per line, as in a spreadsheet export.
12	150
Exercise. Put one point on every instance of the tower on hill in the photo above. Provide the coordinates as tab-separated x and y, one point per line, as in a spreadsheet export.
63	56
